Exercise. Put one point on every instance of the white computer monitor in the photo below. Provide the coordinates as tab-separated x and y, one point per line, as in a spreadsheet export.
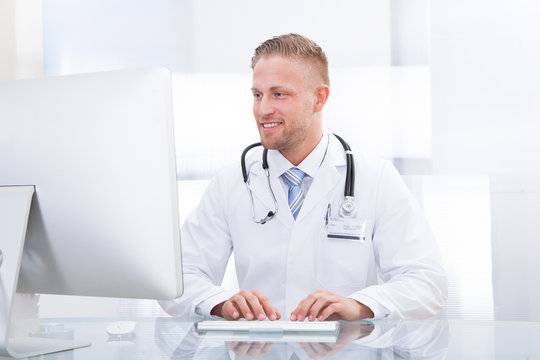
97	151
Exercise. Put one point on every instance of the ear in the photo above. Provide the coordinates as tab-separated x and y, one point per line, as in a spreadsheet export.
322	93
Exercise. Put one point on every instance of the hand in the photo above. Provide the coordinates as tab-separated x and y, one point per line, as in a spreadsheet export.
347	332
249	349
325	305
249	304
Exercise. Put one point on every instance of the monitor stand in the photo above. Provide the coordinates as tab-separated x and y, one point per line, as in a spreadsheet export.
15	204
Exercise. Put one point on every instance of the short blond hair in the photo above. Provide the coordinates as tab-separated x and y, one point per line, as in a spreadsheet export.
296	47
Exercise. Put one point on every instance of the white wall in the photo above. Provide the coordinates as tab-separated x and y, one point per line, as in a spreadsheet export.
7	40
458	210
486	93
20	39
486	120
516	246
410	26
85	36
206	36
352	32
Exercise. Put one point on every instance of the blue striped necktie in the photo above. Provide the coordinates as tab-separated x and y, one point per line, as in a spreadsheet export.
294	177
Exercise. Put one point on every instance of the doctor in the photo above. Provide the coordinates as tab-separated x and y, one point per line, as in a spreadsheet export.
307	258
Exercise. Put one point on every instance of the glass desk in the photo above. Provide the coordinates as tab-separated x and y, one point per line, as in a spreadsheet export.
170	338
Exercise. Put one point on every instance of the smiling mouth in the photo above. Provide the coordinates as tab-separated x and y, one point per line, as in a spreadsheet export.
270	125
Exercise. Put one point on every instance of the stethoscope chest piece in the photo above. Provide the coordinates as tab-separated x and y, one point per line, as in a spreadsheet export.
348	207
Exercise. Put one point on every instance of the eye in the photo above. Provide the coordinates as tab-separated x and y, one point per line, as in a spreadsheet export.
257	96
280	94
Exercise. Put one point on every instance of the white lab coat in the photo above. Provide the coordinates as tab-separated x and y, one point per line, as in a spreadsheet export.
397	272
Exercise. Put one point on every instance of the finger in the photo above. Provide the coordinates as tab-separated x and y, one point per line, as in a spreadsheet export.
320	304
255	349
268	310
325	299
321	348
331	311
243	306
301	311
267	348
307	347
230	311
255	305
242	349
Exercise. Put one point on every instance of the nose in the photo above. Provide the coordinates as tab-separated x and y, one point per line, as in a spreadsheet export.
265	106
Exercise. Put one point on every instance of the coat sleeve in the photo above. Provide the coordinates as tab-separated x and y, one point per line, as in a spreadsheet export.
413	278
206	248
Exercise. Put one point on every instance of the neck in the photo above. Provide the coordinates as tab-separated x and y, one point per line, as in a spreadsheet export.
297	154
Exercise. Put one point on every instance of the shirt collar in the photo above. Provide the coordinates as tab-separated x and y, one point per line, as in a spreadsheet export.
278	164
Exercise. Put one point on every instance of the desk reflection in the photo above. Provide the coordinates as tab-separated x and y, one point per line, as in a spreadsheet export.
378	339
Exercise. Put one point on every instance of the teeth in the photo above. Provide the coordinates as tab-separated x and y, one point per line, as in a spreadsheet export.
270	125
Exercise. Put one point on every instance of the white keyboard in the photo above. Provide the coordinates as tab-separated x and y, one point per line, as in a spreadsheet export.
309	331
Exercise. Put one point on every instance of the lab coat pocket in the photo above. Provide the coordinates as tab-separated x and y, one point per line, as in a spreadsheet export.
342	262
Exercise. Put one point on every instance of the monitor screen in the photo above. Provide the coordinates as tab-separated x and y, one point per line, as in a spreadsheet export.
99	150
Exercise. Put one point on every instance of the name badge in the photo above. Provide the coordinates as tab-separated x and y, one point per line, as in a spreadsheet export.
347	227
343	228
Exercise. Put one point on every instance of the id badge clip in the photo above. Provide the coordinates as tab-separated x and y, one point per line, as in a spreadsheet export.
346	228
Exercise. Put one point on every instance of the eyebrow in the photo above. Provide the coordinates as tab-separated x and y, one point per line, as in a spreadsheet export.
278	87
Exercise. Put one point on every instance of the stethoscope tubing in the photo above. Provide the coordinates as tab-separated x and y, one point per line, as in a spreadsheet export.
349	178
243	160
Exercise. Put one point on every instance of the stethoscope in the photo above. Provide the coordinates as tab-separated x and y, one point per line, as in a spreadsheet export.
348	207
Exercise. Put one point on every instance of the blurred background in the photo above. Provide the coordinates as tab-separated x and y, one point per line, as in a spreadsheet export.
449	91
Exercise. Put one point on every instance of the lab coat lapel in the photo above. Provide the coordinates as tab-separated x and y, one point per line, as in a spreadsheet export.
262	195
326	179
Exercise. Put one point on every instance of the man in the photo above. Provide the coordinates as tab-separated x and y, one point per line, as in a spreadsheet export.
294	263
